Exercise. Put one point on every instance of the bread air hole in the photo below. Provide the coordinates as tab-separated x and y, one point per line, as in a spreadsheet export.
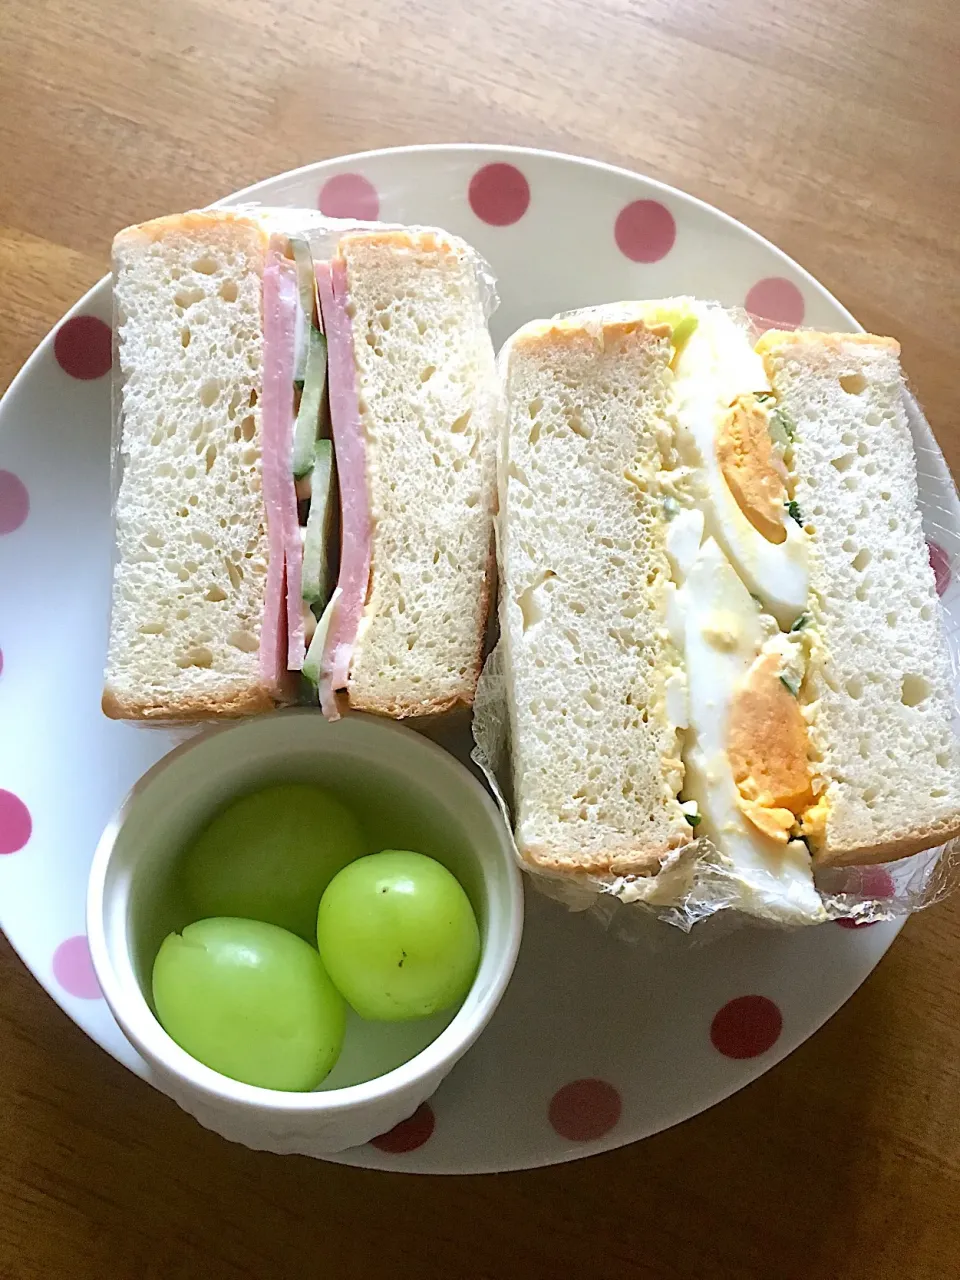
214	594
185	336
861	559
843	463
854	384
197	656
243	640
187	297
913	690
211	457
577	425
205	266
854	687
209	392
228	290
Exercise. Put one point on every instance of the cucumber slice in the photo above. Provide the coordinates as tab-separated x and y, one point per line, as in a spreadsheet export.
311	404
309	310
316	562
311	663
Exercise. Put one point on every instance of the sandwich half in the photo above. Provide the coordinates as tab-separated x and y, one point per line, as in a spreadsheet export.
878	691
414	399
718	612
306	467
594	677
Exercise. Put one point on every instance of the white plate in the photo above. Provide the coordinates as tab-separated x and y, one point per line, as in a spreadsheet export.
597	1043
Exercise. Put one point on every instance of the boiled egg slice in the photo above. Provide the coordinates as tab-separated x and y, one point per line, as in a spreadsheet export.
724	632
714	368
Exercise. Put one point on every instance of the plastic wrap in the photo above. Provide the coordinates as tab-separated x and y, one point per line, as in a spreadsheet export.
323	233
693	886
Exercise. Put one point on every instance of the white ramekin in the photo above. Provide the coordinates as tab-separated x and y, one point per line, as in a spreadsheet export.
125	915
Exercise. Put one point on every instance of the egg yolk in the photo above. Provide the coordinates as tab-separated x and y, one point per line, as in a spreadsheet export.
767	750
815	821
750	467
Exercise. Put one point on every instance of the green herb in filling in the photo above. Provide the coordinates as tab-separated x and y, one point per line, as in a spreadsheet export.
781	422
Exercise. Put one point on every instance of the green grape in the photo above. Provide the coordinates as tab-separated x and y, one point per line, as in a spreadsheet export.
251	1001
270	855
398	936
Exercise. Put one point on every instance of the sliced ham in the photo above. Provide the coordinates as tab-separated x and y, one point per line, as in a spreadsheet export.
350	448
277	391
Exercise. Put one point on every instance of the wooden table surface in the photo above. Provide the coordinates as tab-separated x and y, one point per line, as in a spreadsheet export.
833	129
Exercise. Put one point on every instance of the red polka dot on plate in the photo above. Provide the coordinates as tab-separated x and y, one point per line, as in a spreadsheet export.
499	194
14	502
15	823
645	231
349	195
940	563
84	347
408	1134
775	303
73	969
584	1110
746	1027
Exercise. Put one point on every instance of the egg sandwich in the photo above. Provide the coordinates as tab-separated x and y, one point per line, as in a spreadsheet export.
306	483
718	616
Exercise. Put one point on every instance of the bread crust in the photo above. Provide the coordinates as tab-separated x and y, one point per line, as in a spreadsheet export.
637	860
569	333
194	220
421	241
251	701
919	841
776	339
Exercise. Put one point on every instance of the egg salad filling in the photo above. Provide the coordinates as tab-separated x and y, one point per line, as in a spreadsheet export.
738	613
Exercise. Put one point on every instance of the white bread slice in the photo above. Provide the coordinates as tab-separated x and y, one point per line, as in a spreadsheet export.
428	394
191	541
584	582
879	686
